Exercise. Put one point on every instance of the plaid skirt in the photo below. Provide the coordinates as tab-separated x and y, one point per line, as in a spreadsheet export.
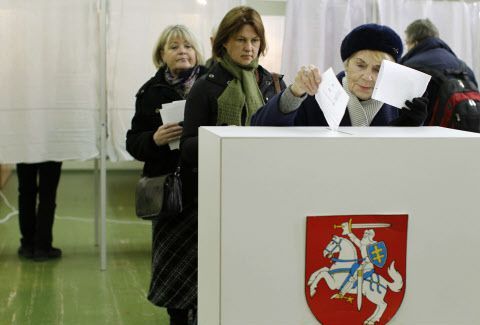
174	261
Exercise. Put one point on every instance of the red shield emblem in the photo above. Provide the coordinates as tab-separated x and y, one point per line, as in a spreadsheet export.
349	277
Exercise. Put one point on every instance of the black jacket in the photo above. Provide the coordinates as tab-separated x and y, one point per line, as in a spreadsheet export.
434	54
158	160
201	110
174	241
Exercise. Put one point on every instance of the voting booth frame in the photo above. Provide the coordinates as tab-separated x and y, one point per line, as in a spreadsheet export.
258	185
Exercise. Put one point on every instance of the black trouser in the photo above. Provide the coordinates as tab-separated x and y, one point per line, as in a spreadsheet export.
36	224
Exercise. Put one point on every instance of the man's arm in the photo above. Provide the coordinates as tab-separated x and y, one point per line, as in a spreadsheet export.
348	231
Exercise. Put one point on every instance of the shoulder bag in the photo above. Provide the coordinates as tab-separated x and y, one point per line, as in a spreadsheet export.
159	196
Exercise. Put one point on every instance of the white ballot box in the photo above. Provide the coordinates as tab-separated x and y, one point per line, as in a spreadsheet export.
258	185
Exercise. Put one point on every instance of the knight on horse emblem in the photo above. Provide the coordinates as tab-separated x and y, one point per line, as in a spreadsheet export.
353	276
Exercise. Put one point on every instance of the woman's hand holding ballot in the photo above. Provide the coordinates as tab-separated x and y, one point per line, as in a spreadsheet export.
167	133
414	113
307	81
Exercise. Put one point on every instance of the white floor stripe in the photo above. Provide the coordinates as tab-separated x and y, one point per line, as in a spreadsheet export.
79	219
11	207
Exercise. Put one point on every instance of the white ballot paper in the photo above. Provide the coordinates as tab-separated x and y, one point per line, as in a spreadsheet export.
332	99
397	83
173	113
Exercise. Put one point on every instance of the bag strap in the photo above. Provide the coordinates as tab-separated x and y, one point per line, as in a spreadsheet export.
276	82
441	75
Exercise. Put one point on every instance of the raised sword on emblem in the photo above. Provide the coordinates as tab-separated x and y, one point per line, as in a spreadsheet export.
350	275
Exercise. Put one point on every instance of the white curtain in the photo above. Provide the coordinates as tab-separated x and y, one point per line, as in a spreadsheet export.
458	23
274	31
49	65
49	99
316	36
132	31
48	73
314	30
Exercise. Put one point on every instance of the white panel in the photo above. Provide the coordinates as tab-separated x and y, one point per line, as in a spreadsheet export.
272	179
209	227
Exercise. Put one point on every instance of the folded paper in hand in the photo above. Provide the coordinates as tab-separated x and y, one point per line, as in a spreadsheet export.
173	113
332	98
397	83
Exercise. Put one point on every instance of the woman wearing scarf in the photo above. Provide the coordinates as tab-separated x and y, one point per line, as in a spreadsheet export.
229	94
232	90
362	52
174	250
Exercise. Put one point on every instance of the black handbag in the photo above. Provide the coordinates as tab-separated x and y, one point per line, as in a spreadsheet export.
172	194
159	196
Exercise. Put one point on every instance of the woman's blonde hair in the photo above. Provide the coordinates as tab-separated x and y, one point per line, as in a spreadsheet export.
173	32
233	21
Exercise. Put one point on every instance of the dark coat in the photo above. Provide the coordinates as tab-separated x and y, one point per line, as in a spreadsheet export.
201	110
310	114
159	160
174	240
433	53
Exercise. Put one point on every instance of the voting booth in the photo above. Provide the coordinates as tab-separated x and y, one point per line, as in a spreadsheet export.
258	185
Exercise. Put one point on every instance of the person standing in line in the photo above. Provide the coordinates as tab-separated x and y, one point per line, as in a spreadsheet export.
174	252
232	90
211	60
362	51
427	51
37	181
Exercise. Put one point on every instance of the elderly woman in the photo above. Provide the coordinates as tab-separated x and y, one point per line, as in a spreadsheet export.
174	251
362	52
235	87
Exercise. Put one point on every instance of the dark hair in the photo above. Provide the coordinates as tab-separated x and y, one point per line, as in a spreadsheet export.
420	29
233	21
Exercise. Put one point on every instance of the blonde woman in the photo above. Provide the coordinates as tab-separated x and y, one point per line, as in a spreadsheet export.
174	251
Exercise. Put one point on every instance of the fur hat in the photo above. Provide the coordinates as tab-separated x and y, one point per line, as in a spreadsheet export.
372	37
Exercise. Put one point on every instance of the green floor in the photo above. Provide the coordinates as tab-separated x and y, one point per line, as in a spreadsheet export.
73	290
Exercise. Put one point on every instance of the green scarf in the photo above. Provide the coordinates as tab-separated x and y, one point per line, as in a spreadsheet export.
241	91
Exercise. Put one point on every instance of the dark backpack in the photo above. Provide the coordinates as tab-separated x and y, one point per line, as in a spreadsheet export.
457	105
